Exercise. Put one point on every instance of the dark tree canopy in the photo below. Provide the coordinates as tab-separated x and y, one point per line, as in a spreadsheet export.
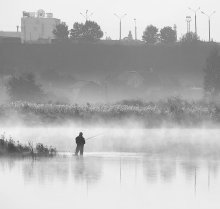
77	32
90	31
130	37
61	31
212	73
24	88
189	38
168	35
150	34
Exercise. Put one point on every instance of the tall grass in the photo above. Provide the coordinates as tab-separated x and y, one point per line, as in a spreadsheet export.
170	111
9	146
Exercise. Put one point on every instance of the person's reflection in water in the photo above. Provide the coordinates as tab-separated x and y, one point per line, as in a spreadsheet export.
87	169
79	170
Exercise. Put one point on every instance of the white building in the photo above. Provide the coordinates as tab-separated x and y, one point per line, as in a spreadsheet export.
38	27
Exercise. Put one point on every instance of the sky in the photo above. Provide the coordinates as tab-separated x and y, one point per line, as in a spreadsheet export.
159	13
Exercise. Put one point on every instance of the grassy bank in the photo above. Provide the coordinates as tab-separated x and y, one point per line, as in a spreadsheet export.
173	111
10	147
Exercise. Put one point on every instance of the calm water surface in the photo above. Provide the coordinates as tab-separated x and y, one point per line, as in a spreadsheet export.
110	180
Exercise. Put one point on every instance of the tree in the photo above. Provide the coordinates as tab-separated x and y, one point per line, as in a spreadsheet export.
90	31
150	34
130	37
189	38
61	31
77	32
25	88
167	35
212	73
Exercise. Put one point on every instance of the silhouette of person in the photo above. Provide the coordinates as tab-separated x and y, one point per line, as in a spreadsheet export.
80	141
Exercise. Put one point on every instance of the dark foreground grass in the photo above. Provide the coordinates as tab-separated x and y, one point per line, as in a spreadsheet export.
15	148
172	111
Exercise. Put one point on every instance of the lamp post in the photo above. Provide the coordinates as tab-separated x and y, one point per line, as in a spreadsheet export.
209	20
120	18
135	28
175	29
195	12
86	15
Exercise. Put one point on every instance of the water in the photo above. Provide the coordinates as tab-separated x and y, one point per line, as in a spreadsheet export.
110	180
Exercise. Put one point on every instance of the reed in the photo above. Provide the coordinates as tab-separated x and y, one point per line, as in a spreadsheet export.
170	111
8	146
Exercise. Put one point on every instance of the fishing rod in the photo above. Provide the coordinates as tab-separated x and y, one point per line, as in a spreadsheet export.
93	136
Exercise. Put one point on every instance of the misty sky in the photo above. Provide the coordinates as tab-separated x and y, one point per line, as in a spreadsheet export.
159	13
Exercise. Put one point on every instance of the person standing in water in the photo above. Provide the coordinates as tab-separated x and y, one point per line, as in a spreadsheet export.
80	141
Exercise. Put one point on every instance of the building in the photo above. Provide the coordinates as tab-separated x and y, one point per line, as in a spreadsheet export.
38	27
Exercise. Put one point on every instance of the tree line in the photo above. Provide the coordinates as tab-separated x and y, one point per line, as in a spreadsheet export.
152	35
166	35
90	31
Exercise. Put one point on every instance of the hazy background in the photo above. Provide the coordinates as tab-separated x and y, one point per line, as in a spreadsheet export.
75	73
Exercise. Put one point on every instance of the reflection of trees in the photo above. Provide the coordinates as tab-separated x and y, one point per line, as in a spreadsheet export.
150	170
213	167
167	169
87	168
7	163
46	170
190	168
28	171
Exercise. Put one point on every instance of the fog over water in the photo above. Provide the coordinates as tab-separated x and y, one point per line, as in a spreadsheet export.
178	141
124	166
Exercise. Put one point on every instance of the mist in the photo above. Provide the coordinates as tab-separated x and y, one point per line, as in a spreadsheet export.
130	137
80	73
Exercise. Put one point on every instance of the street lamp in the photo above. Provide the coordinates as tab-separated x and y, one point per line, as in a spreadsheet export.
120	18
86	15
135	29
209	18
195	12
